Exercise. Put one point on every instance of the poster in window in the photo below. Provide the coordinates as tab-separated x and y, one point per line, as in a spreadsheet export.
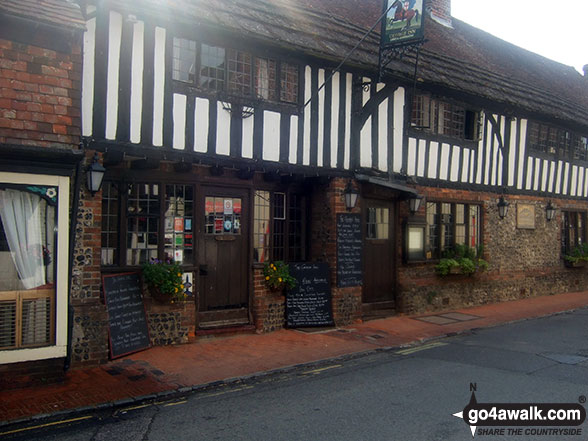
178	256
237	206
526	216
188	225
179	224
228	206
403	24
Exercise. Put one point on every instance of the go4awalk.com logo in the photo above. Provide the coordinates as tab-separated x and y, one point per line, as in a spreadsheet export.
523	419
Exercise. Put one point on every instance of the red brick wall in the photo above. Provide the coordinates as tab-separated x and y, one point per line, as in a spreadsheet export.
441	9
327	202
40	95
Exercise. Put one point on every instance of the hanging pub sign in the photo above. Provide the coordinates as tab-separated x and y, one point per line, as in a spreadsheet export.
403	23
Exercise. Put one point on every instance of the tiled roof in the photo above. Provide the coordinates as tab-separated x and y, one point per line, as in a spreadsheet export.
59	13
462	58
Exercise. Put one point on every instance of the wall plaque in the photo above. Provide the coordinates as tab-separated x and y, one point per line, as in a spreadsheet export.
526	216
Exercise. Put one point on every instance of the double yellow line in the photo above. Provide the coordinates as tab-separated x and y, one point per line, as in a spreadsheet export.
409	351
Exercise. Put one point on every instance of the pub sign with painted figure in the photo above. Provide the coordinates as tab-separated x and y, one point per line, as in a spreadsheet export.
403	23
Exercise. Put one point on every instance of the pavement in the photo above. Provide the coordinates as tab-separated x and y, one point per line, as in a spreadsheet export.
165	371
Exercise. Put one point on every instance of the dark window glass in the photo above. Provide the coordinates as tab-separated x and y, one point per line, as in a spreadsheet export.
573	231
265	79
289	83
443	118
240	70
556	141
142	223
451	224
212	68
286	227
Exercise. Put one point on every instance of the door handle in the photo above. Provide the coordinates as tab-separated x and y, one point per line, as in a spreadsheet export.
203	270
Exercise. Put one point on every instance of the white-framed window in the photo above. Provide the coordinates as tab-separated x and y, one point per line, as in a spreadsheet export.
34	219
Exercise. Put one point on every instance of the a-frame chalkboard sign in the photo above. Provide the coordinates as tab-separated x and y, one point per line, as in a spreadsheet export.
127	321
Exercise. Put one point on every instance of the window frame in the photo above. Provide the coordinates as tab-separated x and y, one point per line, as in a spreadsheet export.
431	105
430	254
59	347
571	152
226	92
120	254
581	235
287	225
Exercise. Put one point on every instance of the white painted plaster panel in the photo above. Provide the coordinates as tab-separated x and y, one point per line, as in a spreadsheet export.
398	128
411	166
159	82
247	137
335	109
223	130
321	119
307	114
347	134
558	177
433	160
137	81
88	77
444	170
455	164
421	159
383	135
179	116
271	136
366	144
465	165
201	124
574	180
293	139
114	42
521	152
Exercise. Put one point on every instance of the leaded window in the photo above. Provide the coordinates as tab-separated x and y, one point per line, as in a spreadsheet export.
234	72
553	140
573	231
450	224
279	230
440	117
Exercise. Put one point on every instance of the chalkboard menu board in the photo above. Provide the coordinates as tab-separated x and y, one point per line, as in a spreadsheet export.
309	302
127	323
349	250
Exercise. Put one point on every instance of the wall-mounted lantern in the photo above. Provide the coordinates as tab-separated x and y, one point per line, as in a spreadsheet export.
95	175
350	195
549	211
414	203
502	207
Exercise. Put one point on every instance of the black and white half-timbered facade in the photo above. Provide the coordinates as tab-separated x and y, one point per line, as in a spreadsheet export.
230	136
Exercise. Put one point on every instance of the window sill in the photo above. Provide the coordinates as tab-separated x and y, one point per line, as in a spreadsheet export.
442	139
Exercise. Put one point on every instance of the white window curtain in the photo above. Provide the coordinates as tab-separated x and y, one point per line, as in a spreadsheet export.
21	218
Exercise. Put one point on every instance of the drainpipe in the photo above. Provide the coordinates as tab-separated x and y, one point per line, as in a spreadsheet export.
72	239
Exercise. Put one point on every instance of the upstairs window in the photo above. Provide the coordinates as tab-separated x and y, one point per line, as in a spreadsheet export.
557	141
238	73
444	118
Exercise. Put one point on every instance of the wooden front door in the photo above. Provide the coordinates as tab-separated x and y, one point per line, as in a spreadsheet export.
223	257
379	260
